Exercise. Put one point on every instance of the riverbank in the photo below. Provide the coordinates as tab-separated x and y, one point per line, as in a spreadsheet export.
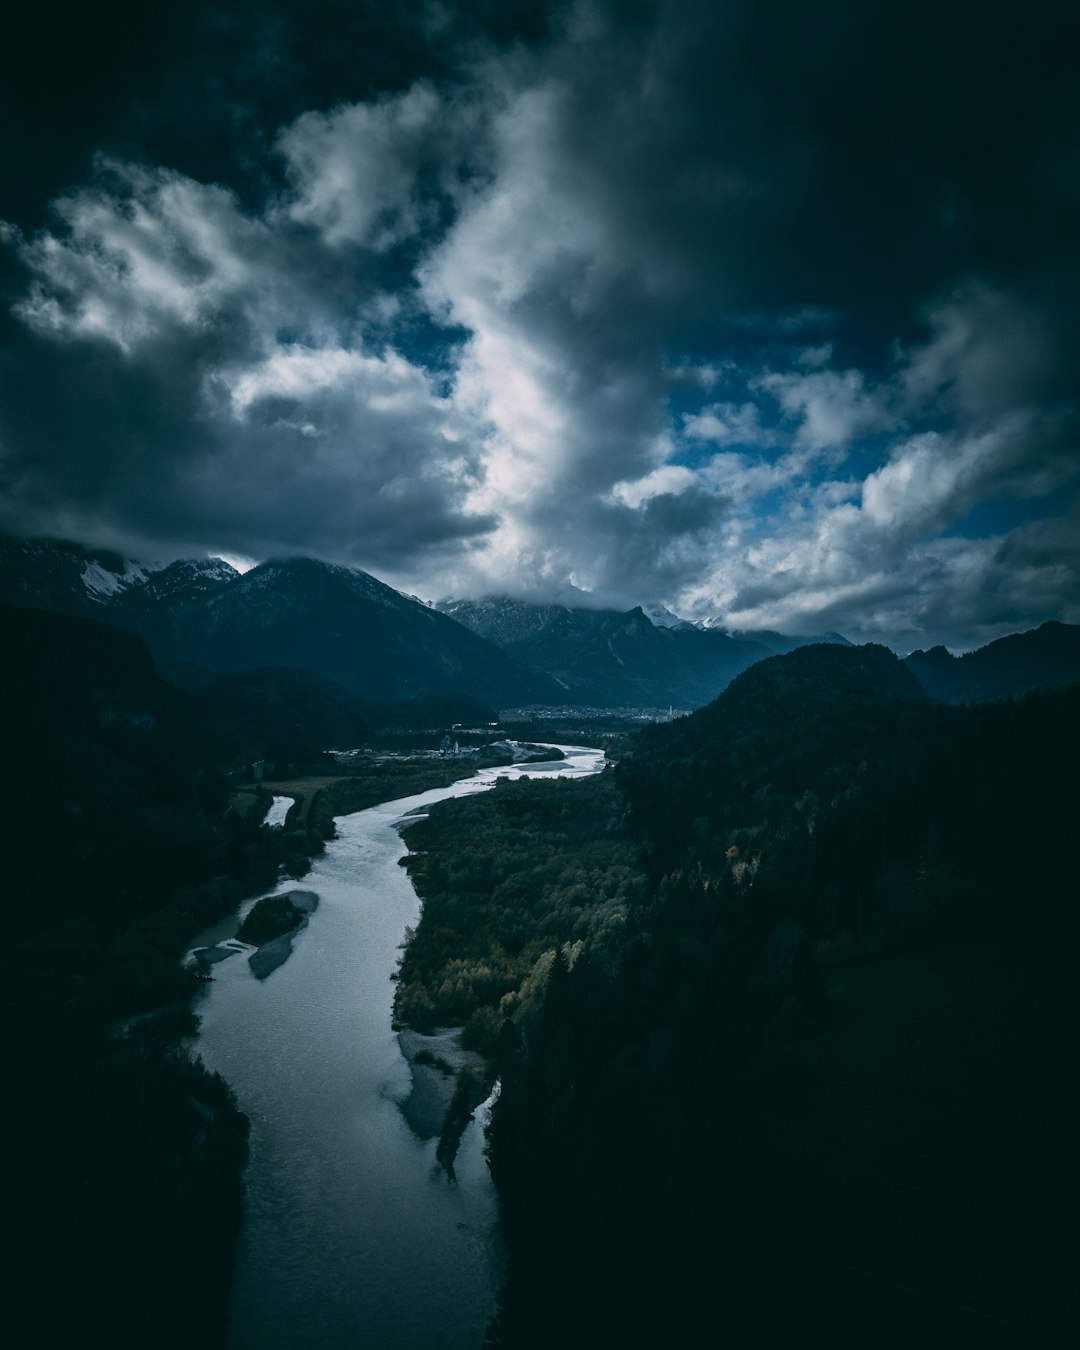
319	799
369	778
434	1061
508	881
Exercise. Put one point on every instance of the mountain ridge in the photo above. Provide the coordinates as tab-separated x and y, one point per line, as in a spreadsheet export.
1043	657
639	656
338	622
351	628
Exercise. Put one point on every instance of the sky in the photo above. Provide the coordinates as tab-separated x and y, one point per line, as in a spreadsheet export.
767	312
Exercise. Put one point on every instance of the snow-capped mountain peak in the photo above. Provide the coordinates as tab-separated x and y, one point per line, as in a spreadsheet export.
661	617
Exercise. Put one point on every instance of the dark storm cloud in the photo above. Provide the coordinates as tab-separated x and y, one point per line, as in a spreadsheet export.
267	476
845	156
204	86
741	307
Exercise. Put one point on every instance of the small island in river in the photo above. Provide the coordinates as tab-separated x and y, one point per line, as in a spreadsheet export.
269	926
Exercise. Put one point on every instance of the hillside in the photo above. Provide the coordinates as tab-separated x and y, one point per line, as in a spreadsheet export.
796	1068
1045	657
117	847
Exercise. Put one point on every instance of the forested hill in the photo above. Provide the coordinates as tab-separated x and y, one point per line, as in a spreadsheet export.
829	773
789	729
122	838
818	1087
1045	657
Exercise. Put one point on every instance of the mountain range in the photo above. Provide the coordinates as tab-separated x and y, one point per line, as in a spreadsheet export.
337	622
609	657
204	620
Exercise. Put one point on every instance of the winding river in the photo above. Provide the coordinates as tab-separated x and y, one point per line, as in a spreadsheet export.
353	1236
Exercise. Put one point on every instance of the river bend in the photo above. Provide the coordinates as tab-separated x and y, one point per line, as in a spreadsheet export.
353	1238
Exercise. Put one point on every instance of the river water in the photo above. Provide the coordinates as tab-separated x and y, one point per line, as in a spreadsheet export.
279	809
353	1236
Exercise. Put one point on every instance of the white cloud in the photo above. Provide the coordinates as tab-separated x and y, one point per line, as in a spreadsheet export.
142	250
670	479
728	424
816	358
354	170
387	384
875	559
531	270
831	407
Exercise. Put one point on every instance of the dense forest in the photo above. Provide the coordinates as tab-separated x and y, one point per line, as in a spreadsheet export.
509	878
784	1014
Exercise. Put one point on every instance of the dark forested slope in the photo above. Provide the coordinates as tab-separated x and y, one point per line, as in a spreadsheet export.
122	1189
817	1088
1046	657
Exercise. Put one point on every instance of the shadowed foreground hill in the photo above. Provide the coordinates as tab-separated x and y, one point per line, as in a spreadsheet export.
789	726
817	1088
124	1185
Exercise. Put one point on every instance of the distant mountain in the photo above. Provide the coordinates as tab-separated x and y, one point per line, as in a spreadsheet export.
780	643
777	643
505	621
662	617
205	619
65	578
346	626
177	584
1045	657
626	659
606	657
202	620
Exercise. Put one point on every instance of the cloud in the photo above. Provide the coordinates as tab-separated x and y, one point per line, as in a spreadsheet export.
623	296
157	306
931	481
989	350
139	251
355	170
830	407
728	424
879	561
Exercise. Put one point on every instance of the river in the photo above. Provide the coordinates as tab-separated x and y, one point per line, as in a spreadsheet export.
279	810
353	1236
